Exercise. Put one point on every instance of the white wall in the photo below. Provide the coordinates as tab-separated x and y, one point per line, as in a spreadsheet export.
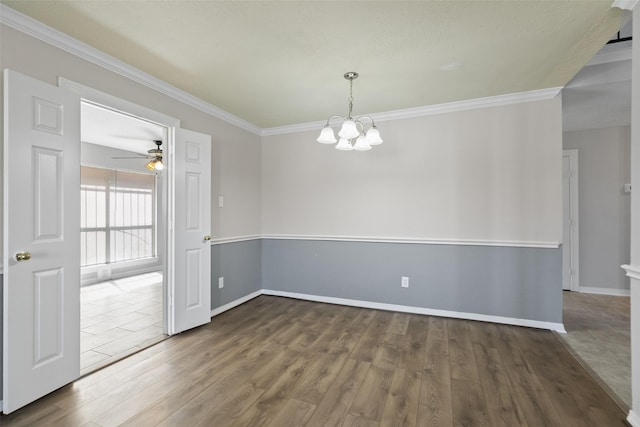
235	152
491	174
604	212
634	267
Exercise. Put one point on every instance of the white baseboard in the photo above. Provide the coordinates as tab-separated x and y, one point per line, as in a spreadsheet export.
633	418
605	291
235	303
557	327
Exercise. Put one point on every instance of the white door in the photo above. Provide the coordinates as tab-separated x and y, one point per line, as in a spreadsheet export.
41	317
568	225
191	279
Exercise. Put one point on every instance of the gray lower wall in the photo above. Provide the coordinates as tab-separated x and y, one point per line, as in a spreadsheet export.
240	265
1	329
523	283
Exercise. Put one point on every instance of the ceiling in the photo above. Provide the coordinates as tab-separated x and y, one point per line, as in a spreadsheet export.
599	95
113	129
276	63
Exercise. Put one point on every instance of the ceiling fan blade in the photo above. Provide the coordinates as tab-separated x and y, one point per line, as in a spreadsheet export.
139	157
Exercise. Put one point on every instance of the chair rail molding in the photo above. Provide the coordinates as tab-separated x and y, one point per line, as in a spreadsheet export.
416	241
633	271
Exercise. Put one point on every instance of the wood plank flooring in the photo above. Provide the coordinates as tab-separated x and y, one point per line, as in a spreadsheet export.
282	362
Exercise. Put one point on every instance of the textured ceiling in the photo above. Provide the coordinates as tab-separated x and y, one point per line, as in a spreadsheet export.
276	63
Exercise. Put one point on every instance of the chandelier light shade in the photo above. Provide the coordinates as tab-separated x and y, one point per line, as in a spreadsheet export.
327	136
351	128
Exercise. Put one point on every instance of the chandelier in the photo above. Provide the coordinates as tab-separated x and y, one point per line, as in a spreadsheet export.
351	128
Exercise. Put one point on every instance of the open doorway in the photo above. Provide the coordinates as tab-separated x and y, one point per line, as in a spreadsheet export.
41	327
122	284
596	126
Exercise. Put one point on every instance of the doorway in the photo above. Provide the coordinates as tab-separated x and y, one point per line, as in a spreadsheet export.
570	243
121	268
41	327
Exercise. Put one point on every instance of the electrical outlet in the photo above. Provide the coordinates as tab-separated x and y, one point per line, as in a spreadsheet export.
404	282
220	282
220	201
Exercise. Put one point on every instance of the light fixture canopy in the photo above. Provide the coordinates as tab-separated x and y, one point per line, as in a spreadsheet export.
351	128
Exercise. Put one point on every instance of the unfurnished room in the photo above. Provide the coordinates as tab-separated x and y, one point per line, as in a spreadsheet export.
320	213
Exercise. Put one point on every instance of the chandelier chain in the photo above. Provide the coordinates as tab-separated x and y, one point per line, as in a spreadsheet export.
350	98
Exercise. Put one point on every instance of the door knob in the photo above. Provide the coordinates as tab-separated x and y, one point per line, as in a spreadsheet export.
23	256
207	238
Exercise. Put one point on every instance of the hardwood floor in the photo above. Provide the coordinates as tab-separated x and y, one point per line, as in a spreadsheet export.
282	362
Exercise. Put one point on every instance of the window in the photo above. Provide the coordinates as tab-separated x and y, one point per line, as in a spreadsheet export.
118	216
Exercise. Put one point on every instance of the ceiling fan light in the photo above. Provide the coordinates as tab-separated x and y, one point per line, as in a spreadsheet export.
361	144
155	165
327	136
373	136
344	145
349	129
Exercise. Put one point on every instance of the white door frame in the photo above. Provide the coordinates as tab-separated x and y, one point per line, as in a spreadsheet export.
91	95
572	154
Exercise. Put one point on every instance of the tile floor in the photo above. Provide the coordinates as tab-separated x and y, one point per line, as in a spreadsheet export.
118	318
598	331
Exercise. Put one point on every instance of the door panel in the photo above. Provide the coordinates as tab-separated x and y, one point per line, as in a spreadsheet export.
47	181
567	264
192	276
41	317
48	298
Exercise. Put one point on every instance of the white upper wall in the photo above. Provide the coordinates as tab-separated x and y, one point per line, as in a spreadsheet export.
235	152
604	166
488	175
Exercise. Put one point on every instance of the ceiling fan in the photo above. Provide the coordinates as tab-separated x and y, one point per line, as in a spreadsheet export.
154	155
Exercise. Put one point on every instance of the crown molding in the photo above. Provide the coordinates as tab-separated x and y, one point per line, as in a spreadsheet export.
40	31
624	4
430	110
